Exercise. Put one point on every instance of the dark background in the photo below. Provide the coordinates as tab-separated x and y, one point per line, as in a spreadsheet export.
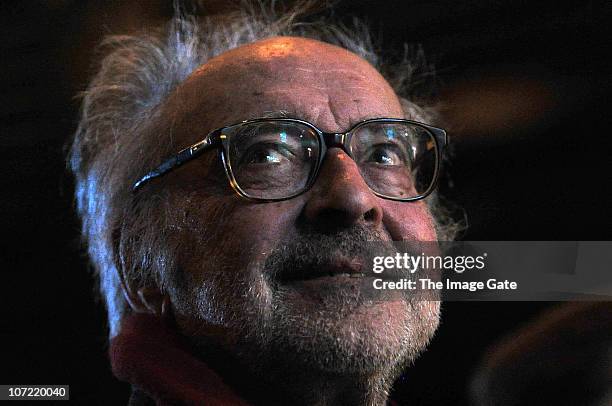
525	87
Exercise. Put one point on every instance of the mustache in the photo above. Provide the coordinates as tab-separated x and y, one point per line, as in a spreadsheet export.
313	251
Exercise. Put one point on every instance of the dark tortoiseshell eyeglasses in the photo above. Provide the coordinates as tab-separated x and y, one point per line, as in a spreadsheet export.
272	159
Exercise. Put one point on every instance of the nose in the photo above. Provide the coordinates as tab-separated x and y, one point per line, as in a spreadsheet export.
340	198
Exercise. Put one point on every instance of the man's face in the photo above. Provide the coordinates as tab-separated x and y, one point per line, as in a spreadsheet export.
244	277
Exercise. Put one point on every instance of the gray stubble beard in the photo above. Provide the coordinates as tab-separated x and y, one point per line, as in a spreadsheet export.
282	344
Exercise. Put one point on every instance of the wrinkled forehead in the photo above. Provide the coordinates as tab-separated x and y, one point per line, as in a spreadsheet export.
327	85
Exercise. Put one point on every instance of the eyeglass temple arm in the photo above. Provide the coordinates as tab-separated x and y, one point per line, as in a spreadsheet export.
179	159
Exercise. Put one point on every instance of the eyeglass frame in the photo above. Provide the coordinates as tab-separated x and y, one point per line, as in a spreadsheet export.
216	139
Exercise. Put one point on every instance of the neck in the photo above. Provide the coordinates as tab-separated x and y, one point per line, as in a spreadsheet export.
274	385
151	356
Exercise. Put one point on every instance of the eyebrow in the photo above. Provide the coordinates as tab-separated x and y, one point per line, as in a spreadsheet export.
280	114
284	113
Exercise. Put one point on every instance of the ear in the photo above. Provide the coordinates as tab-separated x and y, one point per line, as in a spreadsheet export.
148	299
144	299
151	299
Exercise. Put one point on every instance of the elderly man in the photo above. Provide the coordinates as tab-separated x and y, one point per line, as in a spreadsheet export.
231	178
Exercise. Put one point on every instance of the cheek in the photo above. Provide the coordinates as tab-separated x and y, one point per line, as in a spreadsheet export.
259	222
411	221
233	229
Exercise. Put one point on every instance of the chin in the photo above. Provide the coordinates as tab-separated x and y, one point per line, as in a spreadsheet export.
320	326
354	336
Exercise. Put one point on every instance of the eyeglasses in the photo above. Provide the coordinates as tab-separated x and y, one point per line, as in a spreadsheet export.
272	159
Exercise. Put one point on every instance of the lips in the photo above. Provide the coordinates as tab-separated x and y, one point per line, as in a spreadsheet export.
336	267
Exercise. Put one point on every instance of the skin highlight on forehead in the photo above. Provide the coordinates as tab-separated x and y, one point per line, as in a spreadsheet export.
327	85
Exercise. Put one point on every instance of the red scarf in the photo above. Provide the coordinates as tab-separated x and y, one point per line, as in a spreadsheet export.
152	357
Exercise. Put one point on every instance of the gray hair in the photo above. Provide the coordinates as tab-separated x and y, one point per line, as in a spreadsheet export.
134	78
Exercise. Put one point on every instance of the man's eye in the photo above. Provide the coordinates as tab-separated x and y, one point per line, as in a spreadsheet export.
264	157
266	154
385	155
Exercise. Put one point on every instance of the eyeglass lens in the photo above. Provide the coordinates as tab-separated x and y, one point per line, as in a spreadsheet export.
276	159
